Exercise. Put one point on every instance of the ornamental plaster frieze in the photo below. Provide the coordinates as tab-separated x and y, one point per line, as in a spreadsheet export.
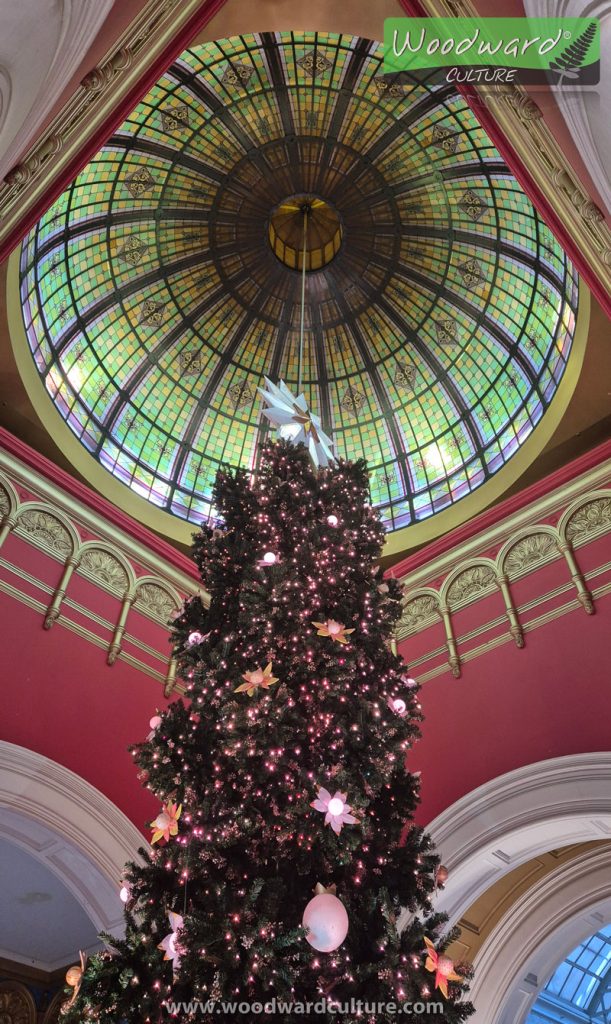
101	91
554	529
116	563
523	125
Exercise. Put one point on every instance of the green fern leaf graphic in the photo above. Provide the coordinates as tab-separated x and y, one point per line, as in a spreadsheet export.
570	62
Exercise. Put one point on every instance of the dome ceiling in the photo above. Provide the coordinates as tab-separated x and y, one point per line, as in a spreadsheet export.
163	284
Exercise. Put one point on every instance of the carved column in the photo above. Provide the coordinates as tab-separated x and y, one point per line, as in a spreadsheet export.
583	594
9	524
515	628
170	679
115	648
453	655
60	592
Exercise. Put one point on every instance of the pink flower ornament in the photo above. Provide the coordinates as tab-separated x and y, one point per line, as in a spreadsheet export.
171	943
335	809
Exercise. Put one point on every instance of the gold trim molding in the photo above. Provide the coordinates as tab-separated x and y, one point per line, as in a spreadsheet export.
110	560
94	101
522	122
524	543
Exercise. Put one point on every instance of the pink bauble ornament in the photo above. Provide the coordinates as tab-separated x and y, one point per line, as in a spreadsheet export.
155	722
332	520
270	557
398	705
326	922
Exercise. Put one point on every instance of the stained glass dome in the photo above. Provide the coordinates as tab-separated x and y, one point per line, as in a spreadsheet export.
159	289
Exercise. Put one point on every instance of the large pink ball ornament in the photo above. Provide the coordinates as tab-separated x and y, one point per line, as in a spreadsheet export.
326	922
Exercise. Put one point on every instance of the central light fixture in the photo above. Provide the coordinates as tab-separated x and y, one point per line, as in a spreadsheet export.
286	232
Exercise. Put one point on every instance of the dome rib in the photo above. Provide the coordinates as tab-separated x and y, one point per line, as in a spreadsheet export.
438	324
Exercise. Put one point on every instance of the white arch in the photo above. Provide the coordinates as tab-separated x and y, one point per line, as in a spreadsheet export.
69	826
539	931
516	817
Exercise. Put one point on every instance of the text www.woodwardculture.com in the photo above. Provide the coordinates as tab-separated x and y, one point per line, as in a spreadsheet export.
321	1006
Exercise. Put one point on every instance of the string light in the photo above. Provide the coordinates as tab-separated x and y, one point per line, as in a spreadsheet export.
245	767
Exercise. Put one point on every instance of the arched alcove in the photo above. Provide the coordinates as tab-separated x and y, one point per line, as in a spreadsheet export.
517	816
70	827
539	931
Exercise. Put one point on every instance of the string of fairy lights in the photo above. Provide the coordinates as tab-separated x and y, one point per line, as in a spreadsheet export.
356	709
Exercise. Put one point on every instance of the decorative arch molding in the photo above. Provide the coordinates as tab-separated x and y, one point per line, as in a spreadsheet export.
103	564
40	53
596	521
156	598
47	528
440	589
420	608
516	817
17	1004
423	608
527	550
584	109
8	497
109	562
468	582
71	827
537	933
52	1015
586	518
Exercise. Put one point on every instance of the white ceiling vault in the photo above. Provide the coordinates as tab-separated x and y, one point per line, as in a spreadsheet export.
42	922
62	853
42	44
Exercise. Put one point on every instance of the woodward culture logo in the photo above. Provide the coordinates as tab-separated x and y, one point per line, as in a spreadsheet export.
556	51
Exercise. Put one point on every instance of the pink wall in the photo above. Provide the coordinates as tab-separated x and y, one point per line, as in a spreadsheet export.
511	707
62	700
514	707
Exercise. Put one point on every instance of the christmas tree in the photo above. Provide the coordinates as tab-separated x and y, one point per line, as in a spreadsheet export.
284	852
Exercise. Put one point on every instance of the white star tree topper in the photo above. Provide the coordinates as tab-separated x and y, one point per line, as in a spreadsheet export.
296	423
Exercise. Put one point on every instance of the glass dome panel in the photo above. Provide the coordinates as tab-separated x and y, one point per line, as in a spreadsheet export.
154	305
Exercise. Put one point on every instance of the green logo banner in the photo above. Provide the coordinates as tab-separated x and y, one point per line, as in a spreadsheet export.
558	51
